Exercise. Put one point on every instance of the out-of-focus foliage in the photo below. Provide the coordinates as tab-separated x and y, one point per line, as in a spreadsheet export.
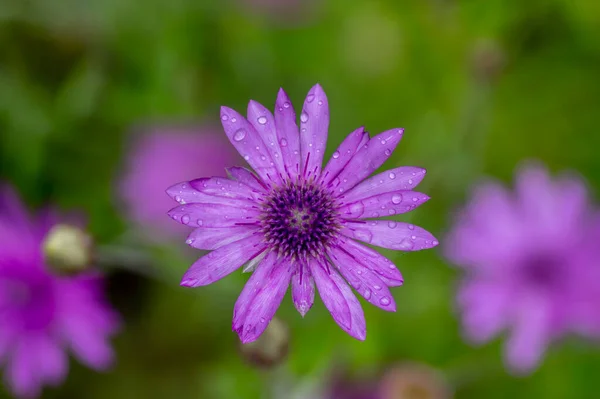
478	85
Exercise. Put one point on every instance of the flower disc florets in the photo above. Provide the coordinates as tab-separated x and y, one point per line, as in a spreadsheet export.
300	219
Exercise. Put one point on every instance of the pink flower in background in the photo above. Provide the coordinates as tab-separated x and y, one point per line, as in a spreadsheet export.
158	158
297	221
531	262
43	315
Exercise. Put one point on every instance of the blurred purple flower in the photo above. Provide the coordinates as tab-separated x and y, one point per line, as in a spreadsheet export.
162	156
531	262
43	315
297	222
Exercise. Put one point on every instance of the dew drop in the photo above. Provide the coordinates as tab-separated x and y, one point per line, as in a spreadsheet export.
310	98
233	120
336	155
405	245
377	287
397	198
224	117
367	293
239	135
411	226
283	142
387	152
413	237
262	320
263	158
391	211
286	105
435	242
410	181
362	235
303	117
375	215
357	209
262	120
320	102
336	182
383	141
185	219
392	224
384	301
247	157
392	175
189	241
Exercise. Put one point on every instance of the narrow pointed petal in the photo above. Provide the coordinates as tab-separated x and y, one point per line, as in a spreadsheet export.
184	193
249	144
243	175
370	157
314	124
223	187
339	300
392	203
223	261
343	154
385	268
363	280
303	289
264	123
404	178
287	133
264	300
208	238
391	234
233	213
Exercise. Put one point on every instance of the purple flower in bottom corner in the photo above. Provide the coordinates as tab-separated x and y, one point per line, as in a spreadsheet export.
43	315
297	223
531	262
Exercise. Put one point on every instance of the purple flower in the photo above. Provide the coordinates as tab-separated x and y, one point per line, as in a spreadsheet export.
43	315
159	158
531	264
296	223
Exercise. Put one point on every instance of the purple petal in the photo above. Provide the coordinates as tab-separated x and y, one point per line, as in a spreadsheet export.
262	299
363	279
391	234
264	123
249	144
530	336
385	268
89	343
223	187
215	215
51	358
393	203
314	123
209	238
223	261
404	178
371	156
303	289
22	375
339	300
243	175
343	154
287	132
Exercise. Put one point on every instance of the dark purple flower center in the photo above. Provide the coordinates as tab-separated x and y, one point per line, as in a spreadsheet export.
300	219
543	271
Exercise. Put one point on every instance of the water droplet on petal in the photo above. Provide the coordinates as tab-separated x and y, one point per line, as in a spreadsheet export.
397	198
384	301
262	120
411	226
363	235
367	293
224	117
286	105
262	320
336	182
392	224
310	98
392	175
263	158
336	155
434	243
377	287
320	102
387	153
233	120
283	142
189	241
405	245
357	209
410	181
303	117
185	219
239	135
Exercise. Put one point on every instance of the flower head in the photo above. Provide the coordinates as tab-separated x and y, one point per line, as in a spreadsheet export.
158	158
295	222
44	314
531	264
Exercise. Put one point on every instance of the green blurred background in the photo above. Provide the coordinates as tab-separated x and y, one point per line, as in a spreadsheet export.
478	85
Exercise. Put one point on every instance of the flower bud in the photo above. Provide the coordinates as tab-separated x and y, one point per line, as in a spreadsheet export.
271	348
67	249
